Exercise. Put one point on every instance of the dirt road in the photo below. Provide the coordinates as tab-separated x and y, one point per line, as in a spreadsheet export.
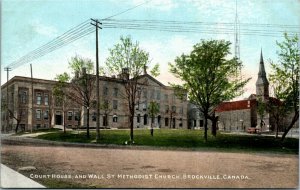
95	167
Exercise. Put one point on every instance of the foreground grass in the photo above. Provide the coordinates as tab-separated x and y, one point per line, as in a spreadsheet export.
183	139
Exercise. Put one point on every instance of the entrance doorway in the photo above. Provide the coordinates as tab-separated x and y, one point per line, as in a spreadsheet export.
58	118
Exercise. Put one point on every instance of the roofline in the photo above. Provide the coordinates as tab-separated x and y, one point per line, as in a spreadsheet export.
27	79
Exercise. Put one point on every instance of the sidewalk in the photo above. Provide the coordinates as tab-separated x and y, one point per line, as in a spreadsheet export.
13	179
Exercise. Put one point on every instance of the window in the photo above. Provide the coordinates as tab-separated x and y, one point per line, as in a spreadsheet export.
94	116
145	106
46	114
70	115
173	98
46	99
158	95
38	114
138	118
105	91
45	125
23	97
38	98
145	119
152	94
166	108
166	121
174	109
201	123
116	92
76	114
180	122
166	97
105	122
38	126
115	104
145	93
181	110
115	118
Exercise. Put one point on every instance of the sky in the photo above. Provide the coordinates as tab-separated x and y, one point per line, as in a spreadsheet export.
29	24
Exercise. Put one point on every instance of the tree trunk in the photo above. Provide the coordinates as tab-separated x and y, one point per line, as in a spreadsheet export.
64	116
88	123
17	127
205	128
131	127
214	127
295	118
151	130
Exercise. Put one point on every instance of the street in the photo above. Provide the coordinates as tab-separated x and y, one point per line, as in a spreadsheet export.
96	167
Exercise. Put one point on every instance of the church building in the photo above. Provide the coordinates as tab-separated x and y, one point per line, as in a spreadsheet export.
242	114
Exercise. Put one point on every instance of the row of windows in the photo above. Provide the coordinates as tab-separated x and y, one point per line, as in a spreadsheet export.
167	110
145	118
39	114
114	93
105	119
40	98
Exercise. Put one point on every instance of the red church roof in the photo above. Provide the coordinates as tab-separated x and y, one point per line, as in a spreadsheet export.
236	105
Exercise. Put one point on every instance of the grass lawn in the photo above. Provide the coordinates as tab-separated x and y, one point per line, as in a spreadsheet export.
182	139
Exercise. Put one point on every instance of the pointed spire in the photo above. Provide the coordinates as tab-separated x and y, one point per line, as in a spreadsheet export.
262	83
261	72
261	56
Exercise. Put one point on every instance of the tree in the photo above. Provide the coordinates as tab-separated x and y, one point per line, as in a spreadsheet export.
278	110
106	107
209	77
20	112
81	85
261	110
60	92
129	61
153	110
286	72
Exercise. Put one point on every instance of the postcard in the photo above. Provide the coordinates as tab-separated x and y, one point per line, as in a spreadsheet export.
150	94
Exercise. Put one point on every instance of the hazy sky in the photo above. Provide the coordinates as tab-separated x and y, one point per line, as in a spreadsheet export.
28	24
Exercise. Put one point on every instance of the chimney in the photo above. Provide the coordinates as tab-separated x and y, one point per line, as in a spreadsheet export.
125	74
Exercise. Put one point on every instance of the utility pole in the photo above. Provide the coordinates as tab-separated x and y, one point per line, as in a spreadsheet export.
32	97
96	24
7	69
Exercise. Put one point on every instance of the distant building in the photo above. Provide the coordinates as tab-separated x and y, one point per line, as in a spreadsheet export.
39	109
241	115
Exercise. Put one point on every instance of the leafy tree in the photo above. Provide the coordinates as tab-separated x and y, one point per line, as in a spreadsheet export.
106	107
153	110
80	85
60	92
208	77
129	60
278	110
286	72
261	110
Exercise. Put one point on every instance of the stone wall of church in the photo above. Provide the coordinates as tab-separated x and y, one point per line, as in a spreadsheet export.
236	120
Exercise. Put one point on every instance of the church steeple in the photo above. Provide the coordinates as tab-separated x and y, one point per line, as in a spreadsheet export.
262	83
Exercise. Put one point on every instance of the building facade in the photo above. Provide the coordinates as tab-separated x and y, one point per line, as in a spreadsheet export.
32	105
